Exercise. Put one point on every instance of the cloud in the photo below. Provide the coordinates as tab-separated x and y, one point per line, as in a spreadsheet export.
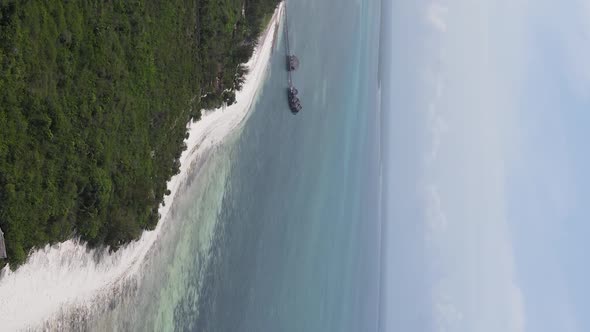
468	104
446	314
517	308
434	80
573	39
472	270
437	127
477	67
436	16
449	314
435	218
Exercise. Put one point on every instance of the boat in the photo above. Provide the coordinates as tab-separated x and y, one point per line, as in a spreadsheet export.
292	65
294	102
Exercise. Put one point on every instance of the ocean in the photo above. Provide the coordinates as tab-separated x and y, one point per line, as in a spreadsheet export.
278	226
298	251
291	197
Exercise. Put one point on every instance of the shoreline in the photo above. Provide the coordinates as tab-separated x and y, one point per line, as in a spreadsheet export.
68	274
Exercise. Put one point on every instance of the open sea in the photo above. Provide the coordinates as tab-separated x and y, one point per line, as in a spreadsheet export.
278	229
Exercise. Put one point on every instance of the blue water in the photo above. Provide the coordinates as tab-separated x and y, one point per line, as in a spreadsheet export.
279	229
298	252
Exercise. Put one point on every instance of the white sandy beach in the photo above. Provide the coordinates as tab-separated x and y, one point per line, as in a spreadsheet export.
68	274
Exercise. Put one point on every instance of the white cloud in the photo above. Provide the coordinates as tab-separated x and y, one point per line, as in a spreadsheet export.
436	15
446	315
468	237
573	36
449	314
438	127
517	308
435	217
471	101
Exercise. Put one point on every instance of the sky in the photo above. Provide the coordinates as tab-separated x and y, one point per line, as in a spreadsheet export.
485	120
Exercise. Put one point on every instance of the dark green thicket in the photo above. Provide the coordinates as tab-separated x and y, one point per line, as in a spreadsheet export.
94	99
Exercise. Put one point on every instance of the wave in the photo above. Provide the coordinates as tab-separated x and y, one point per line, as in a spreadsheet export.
64	284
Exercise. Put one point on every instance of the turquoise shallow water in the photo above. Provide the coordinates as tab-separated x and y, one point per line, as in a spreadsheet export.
279	229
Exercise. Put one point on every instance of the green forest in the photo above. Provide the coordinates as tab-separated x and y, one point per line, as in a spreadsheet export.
94	101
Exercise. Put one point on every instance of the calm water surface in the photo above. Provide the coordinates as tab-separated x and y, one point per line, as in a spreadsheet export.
291	201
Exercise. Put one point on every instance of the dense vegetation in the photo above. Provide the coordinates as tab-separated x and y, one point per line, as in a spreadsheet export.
94	101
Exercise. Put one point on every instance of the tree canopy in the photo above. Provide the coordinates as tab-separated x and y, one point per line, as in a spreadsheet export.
94	101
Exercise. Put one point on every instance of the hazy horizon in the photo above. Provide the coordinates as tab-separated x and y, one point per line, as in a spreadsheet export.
484	119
